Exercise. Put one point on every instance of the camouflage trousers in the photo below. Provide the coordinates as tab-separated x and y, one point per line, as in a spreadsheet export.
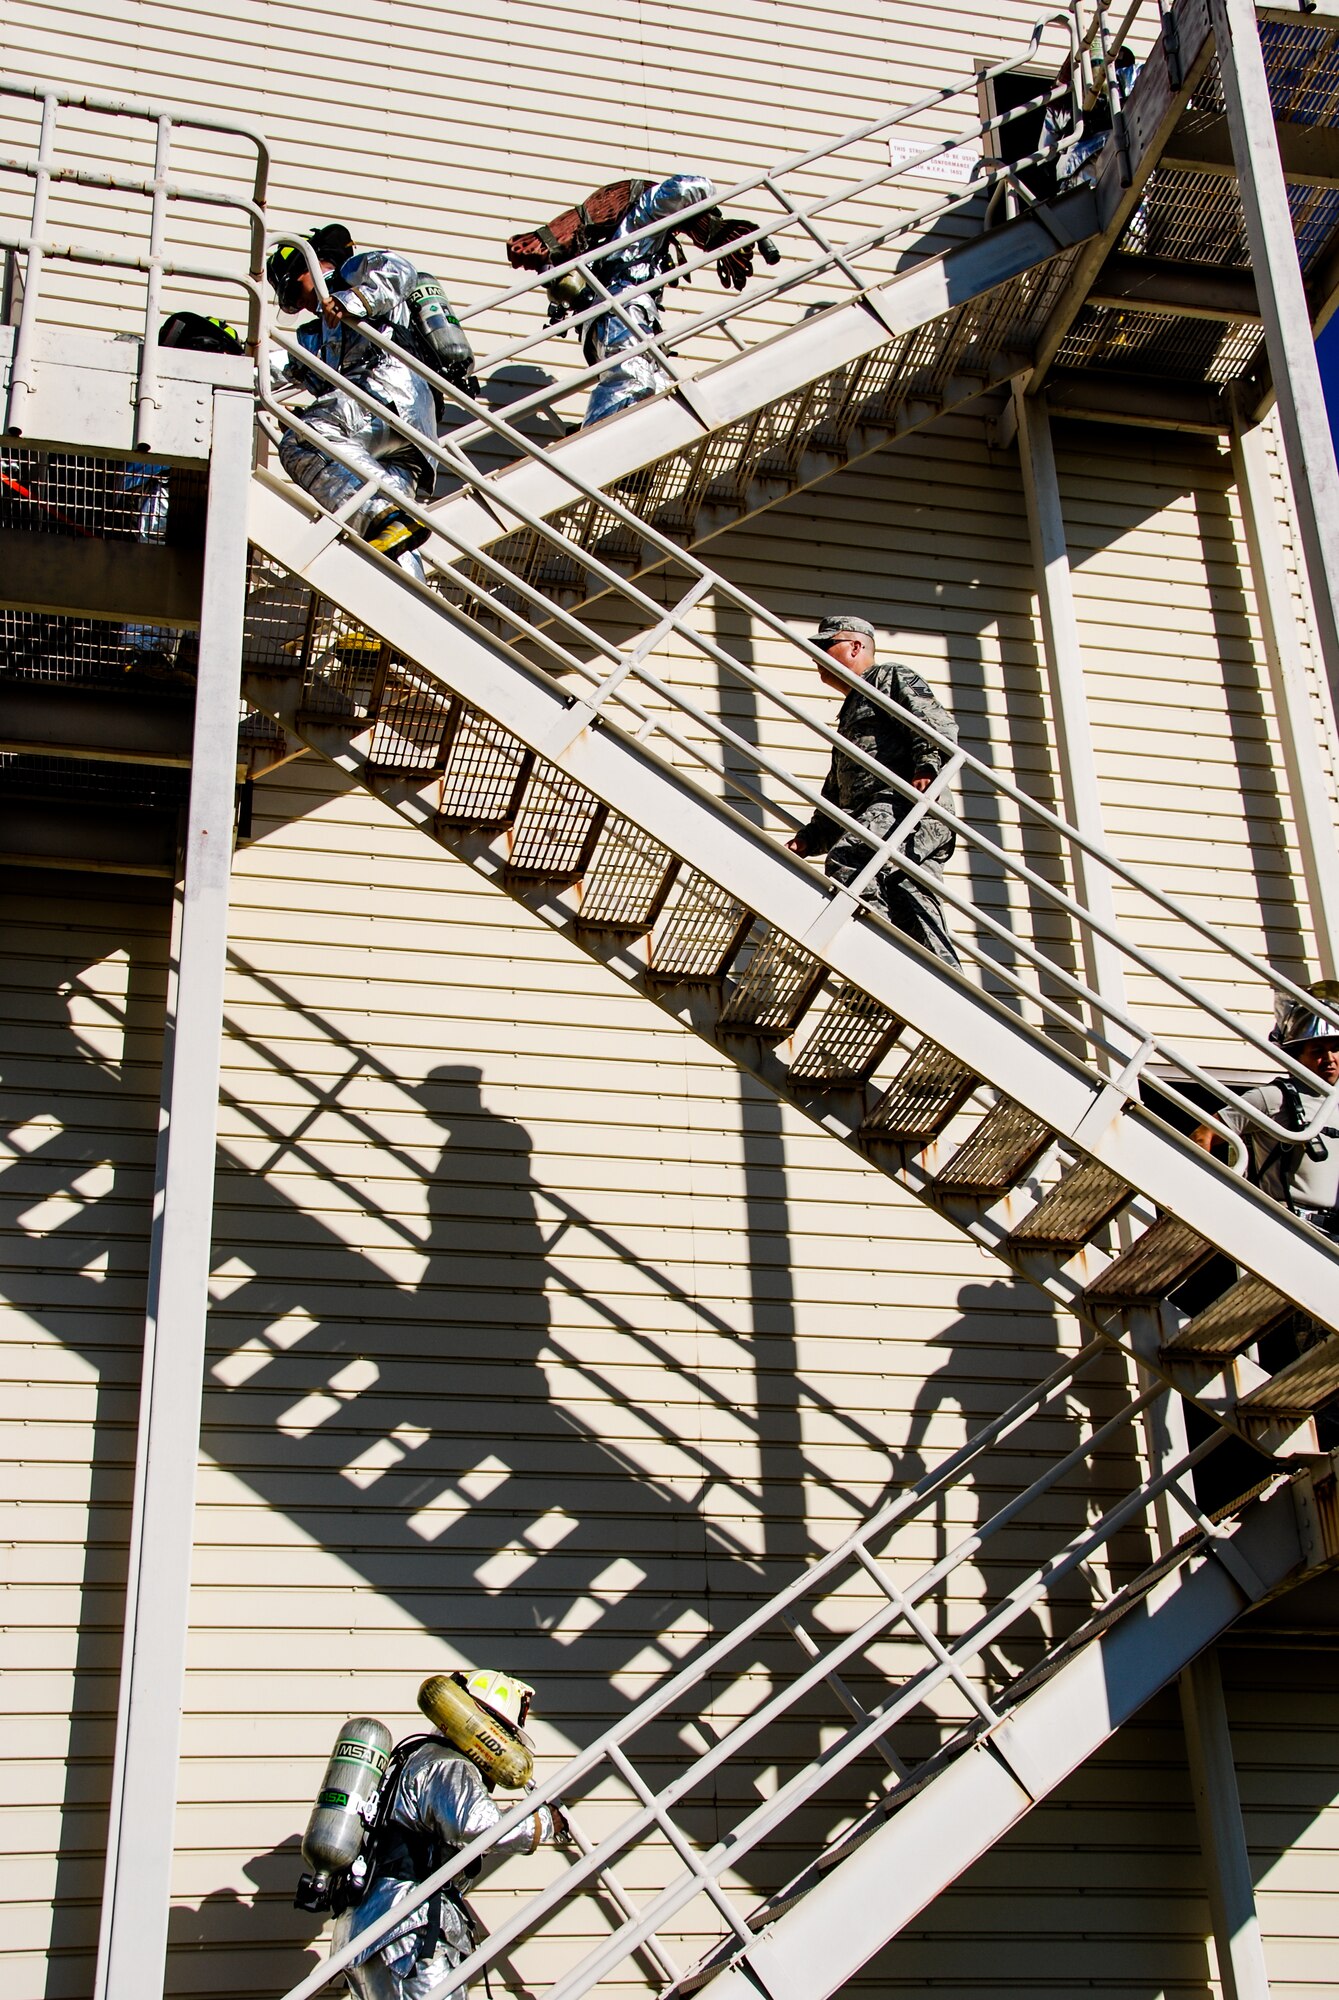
905	903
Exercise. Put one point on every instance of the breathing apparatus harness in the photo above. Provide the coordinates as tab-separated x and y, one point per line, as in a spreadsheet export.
596	221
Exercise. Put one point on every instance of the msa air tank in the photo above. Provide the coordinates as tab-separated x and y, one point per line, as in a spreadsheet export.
442	340
352	1779
499	1751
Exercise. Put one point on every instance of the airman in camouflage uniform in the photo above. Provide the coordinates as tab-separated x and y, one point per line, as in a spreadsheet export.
865	797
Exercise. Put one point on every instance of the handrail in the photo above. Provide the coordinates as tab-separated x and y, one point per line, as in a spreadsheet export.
825	1576
1122	1029
795	216
38	247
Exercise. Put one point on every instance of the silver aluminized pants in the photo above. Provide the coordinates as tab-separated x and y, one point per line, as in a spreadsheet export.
630	381
376	451
905	903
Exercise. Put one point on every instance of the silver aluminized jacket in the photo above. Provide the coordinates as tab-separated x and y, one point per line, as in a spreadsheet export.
631	381
373	286
440	1795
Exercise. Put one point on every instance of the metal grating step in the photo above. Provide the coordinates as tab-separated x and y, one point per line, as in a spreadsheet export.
1300	1389
849	1043
411	726
344	667
1074	1210
700	933
629	877
777	988
1002	1148
921	1099
1232	1320
1165	1253
556	827
486	772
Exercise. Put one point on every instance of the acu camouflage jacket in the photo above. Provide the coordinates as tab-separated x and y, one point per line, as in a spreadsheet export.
894	743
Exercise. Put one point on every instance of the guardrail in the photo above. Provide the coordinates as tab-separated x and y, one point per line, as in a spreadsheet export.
616	688
824	1612
38	246
800	226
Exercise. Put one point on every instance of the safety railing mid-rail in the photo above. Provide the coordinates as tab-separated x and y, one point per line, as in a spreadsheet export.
915	1614
38	245
621	686
826	248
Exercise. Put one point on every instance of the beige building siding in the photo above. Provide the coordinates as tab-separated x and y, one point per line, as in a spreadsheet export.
563	1363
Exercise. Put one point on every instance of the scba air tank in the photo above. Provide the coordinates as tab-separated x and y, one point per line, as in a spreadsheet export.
499	1752
440	334
352	1779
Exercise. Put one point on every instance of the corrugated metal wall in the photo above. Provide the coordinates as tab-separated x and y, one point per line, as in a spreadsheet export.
540	1334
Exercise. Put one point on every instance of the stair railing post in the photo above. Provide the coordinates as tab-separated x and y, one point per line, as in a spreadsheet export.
1075	757
1284	311
132	1946
1313	811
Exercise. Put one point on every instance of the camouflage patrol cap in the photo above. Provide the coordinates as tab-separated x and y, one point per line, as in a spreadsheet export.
837	623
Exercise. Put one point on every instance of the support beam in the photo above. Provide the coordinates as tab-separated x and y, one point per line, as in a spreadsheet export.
113	727
1202	144
1103	397
1284	309
78	576
1307	787
1183	291
1082	804
132	1947
107	840
1236	1926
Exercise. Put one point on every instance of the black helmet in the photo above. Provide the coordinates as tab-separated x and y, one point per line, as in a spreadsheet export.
332	243
285	269
206	335
1295	1022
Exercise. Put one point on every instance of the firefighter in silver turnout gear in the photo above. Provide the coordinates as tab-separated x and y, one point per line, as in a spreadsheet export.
371	286
865	797
1305	1176
620	270
440	1804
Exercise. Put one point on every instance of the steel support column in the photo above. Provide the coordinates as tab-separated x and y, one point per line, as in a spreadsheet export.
1064	673
1164	1423
132	1946
1236	1927
1313	812
1284	310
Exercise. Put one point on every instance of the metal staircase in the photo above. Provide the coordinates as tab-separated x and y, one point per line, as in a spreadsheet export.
1132	298
812	1808
652	830
962	1652
986	1115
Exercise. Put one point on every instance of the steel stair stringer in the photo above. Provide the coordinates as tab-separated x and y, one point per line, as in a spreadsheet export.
1082	1110
834	1918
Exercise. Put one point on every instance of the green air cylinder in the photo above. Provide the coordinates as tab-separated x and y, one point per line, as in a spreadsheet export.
352	1778
441	338
499	1751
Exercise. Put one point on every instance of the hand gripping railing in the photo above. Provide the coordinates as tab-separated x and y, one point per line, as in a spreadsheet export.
799	228
904	1652
1120	1044
38	246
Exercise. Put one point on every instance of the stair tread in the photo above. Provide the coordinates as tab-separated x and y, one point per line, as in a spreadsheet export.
922	1097
1071	1213
851	1040
1005	1143
775	989
1232	1320
1168	1251
1300	1389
